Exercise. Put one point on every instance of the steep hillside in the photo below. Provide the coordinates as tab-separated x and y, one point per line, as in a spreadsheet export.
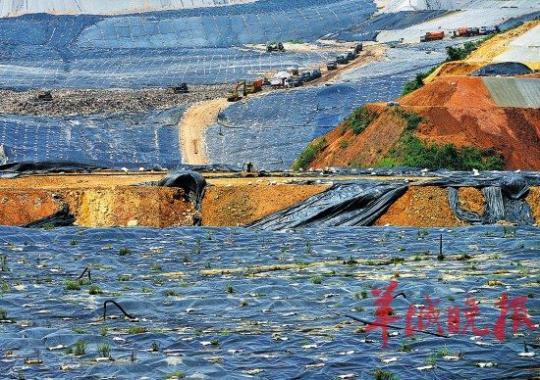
454	122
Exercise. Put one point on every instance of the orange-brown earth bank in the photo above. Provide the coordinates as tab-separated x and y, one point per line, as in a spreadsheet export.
456	110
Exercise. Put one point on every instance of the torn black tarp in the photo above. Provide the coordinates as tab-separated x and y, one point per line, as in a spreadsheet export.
357	203
504	198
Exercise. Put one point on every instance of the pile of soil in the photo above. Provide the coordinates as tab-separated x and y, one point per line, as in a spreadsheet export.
75	102
239	205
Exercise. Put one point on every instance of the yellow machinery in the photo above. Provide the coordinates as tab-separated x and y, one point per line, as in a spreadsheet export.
247	88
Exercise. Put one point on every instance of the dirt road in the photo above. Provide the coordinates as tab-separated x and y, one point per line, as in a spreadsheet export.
192	127
201	115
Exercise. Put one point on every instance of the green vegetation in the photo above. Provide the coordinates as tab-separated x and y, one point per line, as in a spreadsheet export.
3	314
104	350
48	226
317	280
460	53
124	251
136	330
433	357
94	290
175	375
417	82
308	155
410	151
72	285
360	118
381	374
229	289
80	348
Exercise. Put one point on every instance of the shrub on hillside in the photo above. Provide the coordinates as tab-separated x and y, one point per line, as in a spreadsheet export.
413	152
309	154
360	118
417	82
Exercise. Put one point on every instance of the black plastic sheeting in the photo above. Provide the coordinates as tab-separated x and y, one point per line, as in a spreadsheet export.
345	204
361	202
191	182
504	195
514	22
369	29
16	168
504	69
62	218
279	324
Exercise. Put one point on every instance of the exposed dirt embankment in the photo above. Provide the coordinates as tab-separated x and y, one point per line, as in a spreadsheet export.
105	207
428	207
346	148
455	110
243	204
130	206
96	201
533	199
20	207
460	110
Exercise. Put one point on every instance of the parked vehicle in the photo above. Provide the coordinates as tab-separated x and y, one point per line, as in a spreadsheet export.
332	65
432	36
485	30
352	56
274	46
295	82
181	89
316	74
342	59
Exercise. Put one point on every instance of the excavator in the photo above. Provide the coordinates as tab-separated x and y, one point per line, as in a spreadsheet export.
247	88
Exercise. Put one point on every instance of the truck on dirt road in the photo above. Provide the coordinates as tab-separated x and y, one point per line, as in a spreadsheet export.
432	36
246	87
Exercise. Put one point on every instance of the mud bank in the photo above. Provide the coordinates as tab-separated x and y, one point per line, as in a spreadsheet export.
120	200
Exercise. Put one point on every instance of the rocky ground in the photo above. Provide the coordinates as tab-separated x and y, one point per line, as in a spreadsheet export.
69	102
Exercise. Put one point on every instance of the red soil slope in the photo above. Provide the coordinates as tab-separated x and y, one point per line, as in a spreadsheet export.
460	110
455	109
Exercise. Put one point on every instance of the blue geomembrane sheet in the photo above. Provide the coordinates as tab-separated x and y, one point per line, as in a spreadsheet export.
164	48
272	130
130	140
274	306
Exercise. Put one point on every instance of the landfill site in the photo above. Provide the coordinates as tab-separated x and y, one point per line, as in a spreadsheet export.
270	189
